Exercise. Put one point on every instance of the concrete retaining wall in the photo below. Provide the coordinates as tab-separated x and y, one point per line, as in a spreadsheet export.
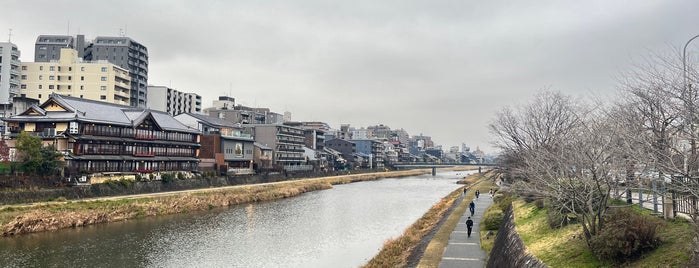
509	250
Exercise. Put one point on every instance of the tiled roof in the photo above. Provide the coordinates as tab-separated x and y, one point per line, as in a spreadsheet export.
214	121
84	110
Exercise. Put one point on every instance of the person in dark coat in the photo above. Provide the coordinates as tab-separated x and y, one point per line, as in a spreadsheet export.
469	226
478	192
472	207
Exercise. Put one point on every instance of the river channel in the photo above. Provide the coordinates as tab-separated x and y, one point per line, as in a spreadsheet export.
340	227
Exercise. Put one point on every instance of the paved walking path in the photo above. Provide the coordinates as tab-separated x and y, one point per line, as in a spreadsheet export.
464	251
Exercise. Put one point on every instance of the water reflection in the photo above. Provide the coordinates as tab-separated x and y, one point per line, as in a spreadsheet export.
340	227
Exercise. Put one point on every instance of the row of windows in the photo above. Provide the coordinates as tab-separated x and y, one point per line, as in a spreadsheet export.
59	87
118	149
145	134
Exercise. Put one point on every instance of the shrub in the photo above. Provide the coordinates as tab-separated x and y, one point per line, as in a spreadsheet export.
555	218
138	177
492	220
151	176
539	203
626	235
180	176
125	182
111	183
167	177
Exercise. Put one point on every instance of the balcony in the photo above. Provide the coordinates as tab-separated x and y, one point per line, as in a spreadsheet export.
150	154
143	170
15	53
149	137
15	63
14	72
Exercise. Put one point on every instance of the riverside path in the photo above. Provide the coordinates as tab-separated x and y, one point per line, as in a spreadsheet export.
464	251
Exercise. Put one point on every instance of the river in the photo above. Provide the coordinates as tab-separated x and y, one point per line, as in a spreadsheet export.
340	227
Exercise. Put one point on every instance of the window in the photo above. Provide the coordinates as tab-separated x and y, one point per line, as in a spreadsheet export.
41	68
41	77
59	68
82	87
40	86
39	96
70	69
82	78
24	77
103	87
70	78
103	78
82	69
69	87
103	97
23	86
104	69
81	96
50	86
24	68
52	68
51	77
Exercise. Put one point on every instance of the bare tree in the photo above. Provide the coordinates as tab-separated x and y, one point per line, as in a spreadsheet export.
566	150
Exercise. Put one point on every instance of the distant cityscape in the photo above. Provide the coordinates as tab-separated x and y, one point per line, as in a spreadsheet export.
91	100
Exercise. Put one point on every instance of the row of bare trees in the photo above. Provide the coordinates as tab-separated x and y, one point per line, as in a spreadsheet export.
574	152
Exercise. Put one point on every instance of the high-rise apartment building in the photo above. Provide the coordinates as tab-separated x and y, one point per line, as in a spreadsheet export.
100	80
48	47
9	72
174	102
127	54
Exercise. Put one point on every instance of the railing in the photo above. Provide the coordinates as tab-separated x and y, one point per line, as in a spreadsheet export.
143	170
144	154
144	137
298	168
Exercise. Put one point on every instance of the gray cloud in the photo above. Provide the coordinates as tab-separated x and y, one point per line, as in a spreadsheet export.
441	68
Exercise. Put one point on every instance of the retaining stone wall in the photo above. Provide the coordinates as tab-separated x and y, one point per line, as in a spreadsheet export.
509	250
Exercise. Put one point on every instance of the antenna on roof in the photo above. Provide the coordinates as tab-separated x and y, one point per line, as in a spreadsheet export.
9	35
68	29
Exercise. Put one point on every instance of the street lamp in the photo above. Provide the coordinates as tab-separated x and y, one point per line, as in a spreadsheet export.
687	89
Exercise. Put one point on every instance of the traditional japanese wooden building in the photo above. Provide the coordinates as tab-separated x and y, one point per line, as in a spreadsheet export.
98	138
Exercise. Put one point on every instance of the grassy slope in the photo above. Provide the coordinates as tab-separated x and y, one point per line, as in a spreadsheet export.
559	248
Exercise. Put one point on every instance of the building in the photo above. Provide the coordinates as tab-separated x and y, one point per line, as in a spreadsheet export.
224	102
174	102
372	148
101	139
381	132
9	72
127	54
101	80
223	145
347	148
286	143
48	47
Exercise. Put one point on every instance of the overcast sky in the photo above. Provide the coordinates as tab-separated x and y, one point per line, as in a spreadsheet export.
440	68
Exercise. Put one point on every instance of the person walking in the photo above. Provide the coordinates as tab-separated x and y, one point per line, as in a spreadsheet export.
469	225
472	207
491	192
478	192
465	191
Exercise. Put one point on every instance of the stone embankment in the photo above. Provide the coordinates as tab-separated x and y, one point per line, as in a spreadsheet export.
22	219
508	249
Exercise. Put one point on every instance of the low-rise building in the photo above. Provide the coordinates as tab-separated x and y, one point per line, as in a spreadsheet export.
373	149
224	147
347	148
100	139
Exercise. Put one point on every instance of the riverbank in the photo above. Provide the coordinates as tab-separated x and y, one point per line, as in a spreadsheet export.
416	242
22	219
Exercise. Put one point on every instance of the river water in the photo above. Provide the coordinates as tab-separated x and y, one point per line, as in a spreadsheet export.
340	227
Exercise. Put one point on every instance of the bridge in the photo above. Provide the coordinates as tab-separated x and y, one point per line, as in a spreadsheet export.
434	166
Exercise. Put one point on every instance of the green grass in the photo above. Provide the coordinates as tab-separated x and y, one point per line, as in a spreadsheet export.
564	248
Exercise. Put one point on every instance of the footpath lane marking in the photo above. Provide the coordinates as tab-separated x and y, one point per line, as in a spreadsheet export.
462	259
